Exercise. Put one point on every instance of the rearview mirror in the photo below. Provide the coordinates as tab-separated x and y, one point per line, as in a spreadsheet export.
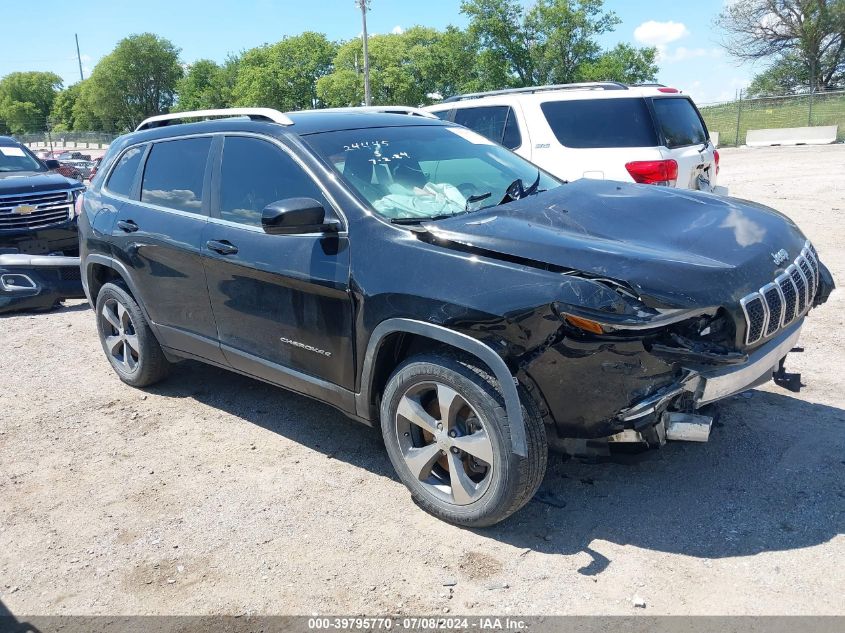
296	215
52	163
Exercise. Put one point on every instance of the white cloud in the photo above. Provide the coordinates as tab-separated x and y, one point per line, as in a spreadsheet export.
397	30
655	33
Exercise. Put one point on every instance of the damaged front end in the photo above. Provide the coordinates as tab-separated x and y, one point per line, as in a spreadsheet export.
620	370
37	282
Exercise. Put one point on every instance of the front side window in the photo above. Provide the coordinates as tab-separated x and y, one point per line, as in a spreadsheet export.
498	123
426	171
174	174
679	122
594	123
256	173
123	174
14	158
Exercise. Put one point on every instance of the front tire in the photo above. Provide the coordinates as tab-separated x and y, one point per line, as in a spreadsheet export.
447	434
127	340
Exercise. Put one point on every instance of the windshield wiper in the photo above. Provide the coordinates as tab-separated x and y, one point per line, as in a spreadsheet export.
478	198
516	190
443	216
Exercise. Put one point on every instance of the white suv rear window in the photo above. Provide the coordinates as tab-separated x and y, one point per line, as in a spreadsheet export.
591	123
679	122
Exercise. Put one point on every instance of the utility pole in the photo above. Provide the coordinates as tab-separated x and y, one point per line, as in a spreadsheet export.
78	57
364	5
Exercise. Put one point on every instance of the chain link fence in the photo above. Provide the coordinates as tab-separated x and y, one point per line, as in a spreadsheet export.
733	119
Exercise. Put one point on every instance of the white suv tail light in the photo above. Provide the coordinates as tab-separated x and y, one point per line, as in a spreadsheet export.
654	172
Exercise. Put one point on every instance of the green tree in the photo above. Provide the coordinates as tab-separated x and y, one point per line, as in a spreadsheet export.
207	85
404	68
136	80
284	75
26	99
553	41
803	37
788	75
623	63
61	114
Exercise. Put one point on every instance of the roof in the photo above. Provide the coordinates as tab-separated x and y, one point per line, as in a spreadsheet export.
304	122
313	121
8	140
598	90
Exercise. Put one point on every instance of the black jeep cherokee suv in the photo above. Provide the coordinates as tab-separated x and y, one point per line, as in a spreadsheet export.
415	275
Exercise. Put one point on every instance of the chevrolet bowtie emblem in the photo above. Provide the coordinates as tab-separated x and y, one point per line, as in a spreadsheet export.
24	209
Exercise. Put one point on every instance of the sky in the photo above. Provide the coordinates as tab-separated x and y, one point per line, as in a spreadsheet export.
40	35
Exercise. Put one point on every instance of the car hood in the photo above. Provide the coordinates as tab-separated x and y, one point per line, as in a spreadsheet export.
22	182
677	248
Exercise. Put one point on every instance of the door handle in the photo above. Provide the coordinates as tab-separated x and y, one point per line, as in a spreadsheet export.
127	226
223	247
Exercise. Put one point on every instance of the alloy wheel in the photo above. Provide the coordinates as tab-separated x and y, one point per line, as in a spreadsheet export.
444	442
119	334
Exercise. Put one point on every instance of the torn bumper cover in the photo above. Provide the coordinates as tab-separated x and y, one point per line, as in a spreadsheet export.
707	386
37	282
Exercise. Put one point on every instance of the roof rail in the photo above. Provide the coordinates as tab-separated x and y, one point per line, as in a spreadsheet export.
590	85
256	114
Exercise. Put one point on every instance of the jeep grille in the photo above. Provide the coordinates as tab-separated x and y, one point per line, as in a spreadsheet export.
787	298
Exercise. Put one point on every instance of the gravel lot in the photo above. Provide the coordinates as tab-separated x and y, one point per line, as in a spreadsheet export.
212	493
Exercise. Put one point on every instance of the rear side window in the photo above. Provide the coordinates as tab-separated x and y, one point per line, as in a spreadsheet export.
679	122
592	123
123	174
174	174
255	173
443	115
498	123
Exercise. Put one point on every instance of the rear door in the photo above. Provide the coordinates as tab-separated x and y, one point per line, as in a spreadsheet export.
684	139
157	236
281	302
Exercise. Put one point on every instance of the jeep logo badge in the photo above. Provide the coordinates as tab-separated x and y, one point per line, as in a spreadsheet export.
780	257
24	209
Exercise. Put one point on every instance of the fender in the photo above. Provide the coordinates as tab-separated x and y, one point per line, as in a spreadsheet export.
110	262
463	342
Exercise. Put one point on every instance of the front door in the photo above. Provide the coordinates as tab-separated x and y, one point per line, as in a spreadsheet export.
281	302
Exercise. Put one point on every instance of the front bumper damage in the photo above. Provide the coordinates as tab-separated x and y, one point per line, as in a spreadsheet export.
705	386
37	282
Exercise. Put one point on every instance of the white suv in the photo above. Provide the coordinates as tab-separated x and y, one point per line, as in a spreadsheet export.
649	134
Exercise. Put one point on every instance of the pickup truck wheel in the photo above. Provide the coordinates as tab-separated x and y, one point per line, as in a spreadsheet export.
127	340
448	436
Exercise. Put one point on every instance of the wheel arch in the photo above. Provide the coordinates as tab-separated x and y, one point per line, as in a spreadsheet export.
100	270
391	335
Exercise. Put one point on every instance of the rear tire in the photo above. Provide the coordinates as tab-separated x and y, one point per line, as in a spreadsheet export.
127	340
448	436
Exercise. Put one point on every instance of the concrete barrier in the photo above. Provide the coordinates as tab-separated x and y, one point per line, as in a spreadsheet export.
816	135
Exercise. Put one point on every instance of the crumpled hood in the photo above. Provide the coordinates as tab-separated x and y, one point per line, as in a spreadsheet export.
15	182
676	247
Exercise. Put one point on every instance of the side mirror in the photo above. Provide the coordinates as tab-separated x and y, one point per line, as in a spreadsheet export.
293	216
52	163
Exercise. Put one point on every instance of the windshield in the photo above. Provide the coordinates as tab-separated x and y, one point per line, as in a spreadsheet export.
16	158
428	171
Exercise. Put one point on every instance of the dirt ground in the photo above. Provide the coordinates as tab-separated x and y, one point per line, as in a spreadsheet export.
212	493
